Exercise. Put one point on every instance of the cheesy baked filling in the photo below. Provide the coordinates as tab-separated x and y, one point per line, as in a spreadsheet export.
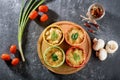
75	36
53	35
54	57
75	57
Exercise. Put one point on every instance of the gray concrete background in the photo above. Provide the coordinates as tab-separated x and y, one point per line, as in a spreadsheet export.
59	10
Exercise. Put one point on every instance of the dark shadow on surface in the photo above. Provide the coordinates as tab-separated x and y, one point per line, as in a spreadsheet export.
25	34
48	1
18	55
8	62
52	18
20	69
57	76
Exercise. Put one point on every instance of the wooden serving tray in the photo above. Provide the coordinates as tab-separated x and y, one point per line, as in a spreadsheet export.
64	69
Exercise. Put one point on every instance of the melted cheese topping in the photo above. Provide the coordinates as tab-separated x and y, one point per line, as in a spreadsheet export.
49	57
79	38
75	57
53	35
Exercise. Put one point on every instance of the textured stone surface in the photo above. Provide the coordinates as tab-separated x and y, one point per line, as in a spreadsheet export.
70	10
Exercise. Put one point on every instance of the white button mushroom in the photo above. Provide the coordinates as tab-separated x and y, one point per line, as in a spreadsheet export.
102	54
111	46
98	44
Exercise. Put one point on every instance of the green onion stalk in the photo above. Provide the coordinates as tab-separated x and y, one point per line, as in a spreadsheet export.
23	20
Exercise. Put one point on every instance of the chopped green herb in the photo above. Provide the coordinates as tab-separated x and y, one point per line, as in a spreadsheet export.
74	36
54	57
54	36
76	57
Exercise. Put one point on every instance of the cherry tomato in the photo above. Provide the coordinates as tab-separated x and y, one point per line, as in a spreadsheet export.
43	8
13	49
5	57
44	18
33	14
15	61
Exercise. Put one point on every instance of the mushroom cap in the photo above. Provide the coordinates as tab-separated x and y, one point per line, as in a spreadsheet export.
102	54
98	44
94	40
111	46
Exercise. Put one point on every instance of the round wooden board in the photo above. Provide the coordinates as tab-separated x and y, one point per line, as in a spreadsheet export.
64	69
